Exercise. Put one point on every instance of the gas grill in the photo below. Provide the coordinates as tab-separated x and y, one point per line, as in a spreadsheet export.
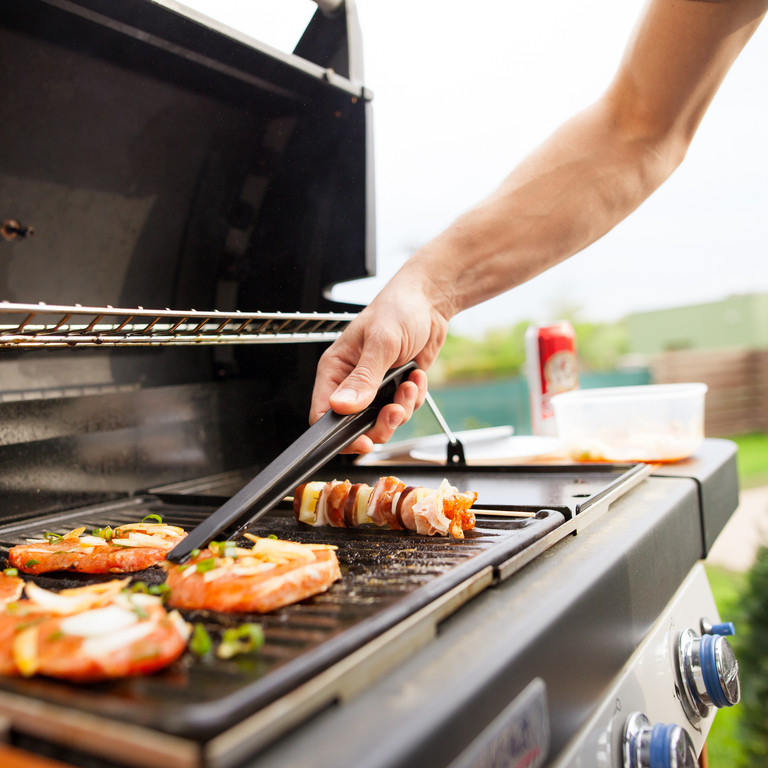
175	201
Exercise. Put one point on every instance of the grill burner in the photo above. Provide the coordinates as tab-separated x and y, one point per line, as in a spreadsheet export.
388	577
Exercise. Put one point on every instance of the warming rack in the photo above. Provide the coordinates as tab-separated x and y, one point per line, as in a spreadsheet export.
49	325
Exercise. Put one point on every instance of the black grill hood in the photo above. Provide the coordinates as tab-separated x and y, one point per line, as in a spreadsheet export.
166	161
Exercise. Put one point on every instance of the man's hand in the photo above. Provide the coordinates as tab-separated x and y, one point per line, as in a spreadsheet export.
399	325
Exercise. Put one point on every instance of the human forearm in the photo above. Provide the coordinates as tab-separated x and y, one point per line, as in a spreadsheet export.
588	176
582	181
600	165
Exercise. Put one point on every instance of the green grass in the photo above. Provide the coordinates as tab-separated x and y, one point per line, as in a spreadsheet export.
727	587
723	744
752	459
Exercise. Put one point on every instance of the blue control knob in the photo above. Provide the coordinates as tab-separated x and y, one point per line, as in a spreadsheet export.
720	671
709	672
660	746
724	628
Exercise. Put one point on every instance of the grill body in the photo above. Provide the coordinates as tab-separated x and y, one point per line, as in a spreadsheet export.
167	163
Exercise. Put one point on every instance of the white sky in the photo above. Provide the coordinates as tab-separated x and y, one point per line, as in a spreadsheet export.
464	90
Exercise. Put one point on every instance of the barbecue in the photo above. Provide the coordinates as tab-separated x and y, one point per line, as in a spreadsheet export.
175	200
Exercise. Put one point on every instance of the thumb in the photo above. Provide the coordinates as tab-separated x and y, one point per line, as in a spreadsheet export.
359	389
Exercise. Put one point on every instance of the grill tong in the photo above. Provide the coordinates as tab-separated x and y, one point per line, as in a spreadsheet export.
322	441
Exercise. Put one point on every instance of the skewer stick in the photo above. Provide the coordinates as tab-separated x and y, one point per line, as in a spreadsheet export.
502	512
476	510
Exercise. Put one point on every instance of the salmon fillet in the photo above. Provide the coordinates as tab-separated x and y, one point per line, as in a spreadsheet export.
125	549
89	634
272	574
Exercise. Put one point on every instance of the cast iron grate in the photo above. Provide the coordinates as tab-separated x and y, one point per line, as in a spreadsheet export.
386	576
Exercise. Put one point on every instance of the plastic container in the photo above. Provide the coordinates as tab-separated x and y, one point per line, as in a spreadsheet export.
653	423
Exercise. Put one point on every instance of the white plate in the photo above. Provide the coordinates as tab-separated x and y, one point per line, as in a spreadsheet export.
438	442
487	447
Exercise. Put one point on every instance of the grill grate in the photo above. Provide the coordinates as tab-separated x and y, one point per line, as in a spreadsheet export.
47	325
386	577
396	588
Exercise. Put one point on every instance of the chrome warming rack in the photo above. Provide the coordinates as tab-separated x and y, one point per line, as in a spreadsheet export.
48	325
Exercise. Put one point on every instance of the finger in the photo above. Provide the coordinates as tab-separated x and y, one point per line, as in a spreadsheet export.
362	444
389	419
419	378
406	396
331	371
358	390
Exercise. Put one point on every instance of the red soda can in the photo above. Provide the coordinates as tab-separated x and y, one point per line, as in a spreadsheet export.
552	367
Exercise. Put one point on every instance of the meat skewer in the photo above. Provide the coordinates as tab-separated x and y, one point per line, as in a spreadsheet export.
389	502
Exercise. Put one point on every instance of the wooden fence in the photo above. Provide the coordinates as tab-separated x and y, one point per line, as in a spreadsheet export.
737	399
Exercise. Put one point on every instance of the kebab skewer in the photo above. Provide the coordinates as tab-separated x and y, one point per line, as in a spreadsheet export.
388	503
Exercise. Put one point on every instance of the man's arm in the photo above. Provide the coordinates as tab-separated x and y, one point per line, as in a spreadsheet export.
588	176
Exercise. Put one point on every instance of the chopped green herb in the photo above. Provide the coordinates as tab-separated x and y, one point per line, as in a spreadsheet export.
105	533
50	537
206	565
200	643
27	624
247	638
272	536
223	548
156	518
141	587
138	610
31	563
161	590
194	553
55	635
11	571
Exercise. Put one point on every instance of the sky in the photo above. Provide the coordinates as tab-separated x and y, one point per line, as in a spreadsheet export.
464	91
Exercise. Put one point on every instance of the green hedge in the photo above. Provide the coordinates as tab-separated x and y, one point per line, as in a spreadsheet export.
751	646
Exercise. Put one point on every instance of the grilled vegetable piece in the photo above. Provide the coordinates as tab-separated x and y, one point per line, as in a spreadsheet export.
11	587
125	549
271	574
444	510
89	634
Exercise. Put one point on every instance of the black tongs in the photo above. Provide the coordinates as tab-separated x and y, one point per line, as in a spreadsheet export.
321	442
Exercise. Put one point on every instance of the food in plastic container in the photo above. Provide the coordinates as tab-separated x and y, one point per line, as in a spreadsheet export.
651	423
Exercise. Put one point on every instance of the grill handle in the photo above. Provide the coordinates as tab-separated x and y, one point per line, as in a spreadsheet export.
323	440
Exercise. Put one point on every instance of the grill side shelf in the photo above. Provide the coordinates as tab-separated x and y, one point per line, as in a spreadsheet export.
48	326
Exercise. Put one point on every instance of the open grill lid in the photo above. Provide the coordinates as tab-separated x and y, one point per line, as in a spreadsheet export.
181	180
193	191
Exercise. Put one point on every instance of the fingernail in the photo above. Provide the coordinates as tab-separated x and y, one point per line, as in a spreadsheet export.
346	395
395	420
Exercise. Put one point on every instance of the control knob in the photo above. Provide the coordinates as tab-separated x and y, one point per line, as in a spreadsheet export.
708	669
658	746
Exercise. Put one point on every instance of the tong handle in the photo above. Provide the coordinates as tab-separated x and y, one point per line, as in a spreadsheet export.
324	439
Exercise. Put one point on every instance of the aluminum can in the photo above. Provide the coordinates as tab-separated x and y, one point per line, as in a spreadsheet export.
552	367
